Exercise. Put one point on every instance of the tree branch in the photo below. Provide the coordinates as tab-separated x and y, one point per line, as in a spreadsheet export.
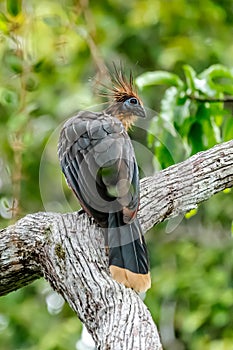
211	100
68	250
181	187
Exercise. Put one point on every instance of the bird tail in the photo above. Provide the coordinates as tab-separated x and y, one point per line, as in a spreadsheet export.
128	256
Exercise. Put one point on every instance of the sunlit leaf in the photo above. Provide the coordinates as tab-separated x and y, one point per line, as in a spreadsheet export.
4	22
195	320
5	207
227	190
158	78
168	104
182	111
190	76
221	72
215	71
52	54
191	213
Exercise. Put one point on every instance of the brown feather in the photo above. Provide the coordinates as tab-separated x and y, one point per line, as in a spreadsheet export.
122	87
136	281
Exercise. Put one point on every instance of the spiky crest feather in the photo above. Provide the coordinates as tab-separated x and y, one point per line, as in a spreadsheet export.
122	87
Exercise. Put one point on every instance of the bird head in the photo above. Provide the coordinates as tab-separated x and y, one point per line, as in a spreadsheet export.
125	103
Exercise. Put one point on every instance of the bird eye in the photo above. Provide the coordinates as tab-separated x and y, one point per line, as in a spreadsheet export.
133	101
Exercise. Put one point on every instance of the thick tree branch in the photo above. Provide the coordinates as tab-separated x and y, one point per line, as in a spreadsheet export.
68	249
181	187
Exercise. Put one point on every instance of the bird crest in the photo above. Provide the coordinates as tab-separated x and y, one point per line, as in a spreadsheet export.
122	87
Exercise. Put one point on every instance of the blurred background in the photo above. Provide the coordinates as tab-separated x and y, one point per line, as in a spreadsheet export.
53	54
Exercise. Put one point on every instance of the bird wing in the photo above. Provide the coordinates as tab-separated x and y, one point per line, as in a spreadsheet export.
98	161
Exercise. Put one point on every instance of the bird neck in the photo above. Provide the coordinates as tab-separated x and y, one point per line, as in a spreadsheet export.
127	119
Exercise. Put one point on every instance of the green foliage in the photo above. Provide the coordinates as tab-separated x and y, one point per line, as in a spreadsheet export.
26	323
192	285
14	7
192	108
181	52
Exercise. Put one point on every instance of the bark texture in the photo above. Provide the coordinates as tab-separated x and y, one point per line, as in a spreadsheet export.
181	187
68	250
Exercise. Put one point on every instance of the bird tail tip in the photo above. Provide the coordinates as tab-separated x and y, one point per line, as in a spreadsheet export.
138	282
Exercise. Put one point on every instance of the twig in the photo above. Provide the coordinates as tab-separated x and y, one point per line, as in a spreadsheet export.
211	100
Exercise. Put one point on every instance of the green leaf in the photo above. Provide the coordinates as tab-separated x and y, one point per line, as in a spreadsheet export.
158	78
227	131
191	213
216	70
195	319
31	83
195	137
14	7
168	104
3	23
9	98
163	155
198	83
5	207
190	76
221	72
227	190
210	133
182	111
13	62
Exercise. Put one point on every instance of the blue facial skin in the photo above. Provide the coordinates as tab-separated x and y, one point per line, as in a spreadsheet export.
133	106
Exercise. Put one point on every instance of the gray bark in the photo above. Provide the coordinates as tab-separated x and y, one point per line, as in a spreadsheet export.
68	250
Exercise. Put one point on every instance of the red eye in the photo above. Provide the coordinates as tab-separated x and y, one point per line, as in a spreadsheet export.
133	101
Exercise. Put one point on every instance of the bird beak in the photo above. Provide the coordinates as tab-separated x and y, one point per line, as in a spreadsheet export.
141	112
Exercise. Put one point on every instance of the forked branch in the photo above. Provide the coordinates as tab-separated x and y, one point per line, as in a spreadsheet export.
68	250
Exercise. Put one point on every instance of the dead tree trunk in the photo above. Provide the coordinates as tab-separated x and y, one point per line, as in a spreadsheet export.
68	250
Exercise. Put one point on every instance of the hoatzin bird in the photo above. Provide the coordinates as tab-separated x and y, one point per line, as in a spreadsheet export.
99	164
